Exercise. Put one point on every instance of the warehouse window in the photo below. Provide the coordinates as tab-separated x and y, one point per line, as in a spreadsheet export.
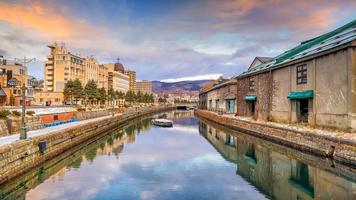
302	74
251	84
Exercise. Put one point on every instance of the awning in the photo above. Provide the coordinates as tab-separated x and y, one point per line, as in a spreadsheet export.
307	94
2	93
250	98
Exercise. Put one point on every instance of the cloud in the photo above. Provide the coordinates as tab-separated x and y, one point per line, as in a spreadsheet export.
184	37
193	78
46	19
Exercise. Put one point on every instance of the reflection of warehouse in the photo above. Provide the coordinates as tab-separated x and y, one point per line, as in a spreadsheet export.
275	172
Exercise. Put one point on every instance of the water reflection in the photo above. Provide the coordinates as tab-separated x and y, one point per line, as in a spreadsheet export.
141	161
280	172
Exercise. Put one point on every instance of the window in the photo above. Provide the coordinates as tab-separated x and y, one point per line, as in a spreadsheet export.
252	84
302	74
55	117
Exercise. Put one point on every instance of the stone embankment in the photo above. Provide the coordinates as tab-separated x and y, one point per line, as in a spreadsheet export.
18	157
12	125
340	149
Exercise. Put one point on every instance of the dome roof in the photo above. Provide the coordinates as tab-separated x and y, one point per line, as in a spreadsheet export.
119	67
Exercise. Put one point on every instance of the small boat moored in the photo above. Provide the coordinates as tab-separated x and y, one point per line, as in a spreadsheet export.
162	122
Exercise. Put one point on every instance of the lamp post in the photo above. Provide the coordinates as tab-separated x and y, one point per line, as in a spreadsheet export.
23	134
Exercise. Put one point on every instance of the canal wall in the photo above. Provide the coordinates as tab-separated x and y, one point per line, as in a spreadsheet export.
340	149
21	156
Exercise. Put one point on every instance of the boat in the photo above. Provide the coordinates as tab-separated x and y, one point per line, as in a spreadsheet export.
162	122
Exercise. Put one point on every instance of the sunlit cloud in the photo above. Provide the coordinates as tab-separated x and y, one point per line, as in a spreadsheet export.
168	37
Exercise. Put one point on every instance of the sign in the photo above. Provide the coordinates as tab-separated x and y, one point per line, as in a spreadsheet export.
13	82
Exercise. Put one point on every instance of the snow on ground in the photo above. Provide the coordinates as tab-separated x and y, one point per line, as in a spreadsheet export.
298	127
12	138
48	110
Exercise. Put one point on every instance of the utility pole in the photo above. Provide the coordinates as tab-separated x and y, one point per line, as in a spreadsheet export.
23	134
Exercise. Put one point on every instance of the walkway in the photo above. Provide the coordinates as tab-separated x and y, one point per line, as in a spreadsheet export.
12	138
301	128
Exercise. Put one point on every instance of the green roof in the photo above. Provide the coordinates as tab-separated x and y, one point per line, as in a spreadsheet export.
307	94
340	36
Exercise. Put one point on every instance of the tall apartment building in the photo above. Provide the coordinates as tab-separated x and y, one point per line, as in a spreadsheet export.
103	77
62	66
144	86
91	70
132	76
117	80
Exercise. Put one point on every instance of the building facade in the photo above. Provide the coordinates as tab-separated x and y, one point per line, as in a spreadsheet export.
91	68
312	84
117	80
132	77
221	96
13	75
103	77
144	86
62	66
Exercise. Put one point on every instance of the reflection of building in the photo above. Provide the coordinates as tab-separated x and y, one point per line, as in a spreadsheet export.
280	173
145	87
12	76
132	77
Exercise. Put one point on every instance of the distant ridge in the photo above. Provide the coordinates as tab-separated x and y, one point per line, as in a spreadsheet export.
181	87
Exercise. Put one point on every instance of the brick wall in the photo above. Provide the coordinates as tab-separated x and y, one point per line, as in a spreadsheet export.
262	90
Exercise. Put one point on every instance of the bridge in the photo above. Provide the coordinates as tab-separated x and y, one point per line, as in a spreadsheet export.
186	106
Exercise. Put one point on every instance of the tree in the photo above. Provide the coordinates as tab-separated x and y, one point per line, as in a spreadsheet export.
139	97
91	91
130	96
120	95
77	90
102	95
69	91
162	100
151	98
146	98
112	95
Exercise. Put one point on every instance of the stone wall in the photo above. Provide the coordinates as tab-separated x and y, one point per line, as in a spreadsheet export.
262	90
3	128
20	156
318	144
92	114
12	125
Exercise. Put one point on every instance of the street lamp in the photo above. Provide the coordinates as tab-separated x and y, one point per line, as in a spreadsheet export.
23	134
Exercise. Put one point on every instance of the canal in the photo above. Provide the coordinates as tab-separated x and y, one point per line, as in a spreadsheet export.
195	159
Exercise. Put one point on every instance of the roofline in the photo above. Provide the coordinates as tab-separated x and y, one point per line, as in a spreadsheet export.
229	82
310	57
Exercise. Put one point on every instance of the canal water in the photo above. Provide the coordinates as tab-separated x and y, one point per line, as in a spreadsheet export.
193	160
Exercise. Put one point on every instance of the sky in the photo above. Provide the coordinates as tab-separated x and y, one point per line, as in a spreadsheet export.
166	39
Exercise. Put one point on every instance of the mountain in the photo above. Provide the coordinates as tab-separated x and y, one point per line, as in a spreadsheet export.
182	87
